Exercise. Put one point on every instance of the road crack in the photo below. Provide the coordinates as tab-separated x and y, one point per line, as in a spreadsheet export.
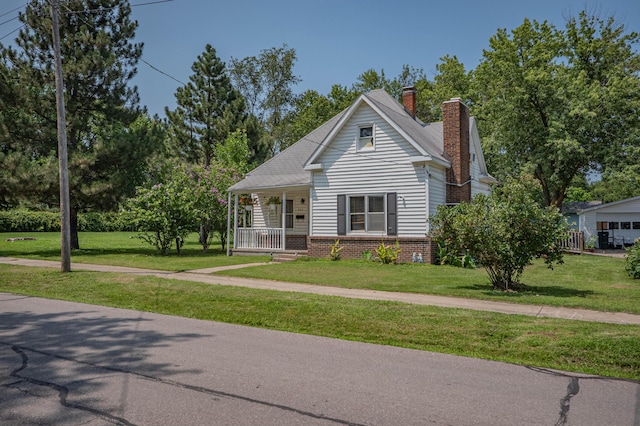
63	391
565	403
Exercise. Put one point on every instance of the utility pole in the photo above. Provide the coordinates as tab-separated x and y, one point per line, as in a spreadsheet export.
65	222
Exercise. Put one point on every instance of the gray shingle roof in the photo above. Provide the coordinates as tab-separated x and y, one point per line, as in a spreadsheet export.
287	168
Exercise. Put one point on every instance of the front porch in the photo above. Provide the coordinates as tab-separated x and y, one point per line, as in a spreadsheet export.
270	222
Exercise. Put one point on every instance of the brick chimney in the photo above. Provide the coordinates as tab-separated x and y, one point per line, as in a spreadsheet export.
455	130
409	100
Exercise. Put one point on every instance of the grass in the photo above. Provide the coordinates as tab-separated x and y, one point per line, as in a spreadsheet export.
594	348
589	282
584	281
121	249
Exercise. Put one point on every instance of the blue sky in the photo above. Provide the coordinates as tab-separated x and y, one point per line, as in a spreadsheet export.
335	40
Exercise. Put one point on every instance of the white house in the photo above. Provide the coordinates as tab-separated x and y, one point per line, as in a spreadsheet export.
615	225
372	173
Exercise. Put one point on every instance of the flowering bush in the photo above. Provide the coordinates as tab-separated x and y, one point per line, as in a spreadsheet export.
165	211
504	232
632	257
209	186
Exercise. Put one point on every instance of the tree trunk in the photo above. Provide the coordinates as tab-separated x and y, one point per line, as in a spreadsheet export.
204	236
73	228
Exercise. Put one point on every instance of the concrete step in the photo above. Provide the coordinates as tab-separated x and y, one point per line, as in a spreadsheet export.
287	256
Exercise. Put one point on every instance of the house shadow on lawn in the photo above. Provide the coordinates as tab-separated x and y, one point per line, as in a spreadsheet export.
527	290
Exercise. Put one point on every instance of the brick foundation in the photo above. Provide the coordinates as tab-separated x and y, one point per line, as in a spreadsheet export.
353	246
296	242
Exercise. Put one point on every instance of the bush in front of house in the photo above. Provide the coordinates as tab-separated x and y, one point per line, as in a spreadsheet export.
504	232
632	257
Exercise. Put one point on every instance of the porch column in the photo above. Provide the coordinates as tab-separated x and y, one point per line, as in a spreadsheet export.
235	219
284	219
229	226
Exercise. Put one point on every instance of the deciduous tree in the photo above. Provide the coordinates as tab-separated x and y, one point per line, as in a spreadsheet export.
267	82
559	103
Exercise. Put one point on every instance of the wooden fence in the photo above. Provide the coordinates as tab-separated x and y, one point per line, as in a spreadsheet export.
574	243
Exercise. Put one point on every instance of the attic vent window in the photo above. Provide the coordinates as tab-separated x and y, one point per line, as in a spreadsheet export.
365	138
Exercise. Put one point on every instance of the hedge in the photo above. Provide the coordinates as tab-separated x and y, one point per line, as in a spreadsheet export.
31	221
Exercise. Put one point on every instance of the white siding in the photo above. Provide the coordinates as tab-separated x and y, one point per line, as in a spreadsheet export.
625	211
437	189
631	206
265	216
477	187
387	169
587	224
259	213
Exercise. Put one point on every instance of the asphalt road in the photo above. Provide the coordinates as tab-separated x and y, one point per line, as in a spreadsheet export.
65	363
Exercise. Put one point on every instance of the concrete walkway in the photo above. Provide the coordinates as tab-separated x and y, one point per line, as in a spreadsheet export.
203	276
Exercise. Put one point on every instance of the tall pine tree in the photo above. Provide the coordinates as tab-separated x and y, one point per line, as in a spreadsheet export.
98	60
208	110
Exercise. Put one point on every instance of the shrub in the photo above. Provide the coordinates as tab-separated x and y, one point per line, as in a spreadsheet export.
504	232
448	256
49	221
632	265
367	255
336	248
29	221
388	254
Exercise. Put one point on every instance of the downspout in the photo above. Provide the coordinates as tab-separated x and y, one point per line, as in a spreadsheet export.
229	226
427	179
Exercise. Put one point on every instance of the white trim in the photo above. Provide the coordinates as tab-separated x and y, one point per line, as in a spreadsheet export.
347	116
427	177
283	219
359	139
614	203
229	225
313	167
366	213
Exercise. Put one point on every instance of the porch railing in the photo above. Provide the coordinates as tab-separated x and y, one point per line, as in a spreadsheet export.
574	242
259	238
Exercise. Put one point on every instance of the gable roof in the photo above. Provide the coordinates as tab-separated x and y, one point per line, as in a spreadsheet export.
390	110
612	204
578	206
287	169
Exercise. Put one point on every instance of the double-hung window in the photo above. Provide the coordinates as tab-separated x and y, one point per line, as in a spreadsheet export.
366	213
366	138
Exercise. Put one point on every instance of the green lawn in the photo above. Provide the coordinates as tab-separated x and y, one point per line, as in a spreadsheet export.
122	249
590	282
584	281
587	347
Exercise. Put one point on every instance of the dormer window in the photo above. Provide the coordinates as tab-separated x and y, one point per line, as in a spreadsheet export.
366	141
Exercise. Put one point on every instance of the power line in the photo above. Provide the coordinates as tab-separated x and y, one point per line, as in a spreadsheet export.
9	20
13	10
105	9
142	60
162	72
8	34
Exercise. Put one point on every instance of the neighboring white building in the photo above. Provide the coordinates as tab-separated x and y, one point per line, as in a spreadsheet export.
615	225
372	173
